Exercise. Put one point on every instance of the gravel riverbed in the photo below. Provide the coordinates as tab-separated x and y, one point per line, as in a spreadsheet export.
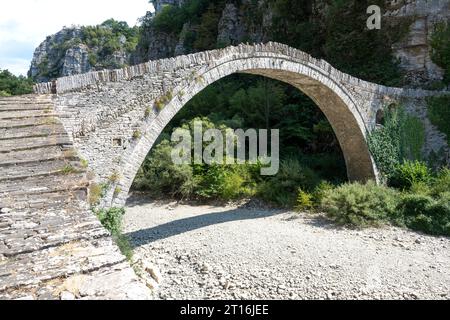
245	252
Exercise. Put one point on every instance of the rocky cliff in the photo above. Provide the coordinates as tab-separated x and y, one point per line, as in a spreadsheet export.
77	50
414	50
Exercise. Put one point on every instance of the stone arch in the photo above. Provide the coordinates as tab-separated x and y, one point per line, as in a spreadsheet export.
335	101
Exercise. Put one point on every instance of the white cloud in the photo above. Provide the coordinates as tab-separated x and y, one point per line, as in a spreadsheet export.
24	24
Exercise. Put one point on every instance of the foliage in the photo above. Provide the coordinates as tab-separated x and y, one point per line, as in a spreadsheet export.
112	220
400	138
409	173
360	205
440	44
424	213
160	176
67	169
439	113
97	192
384	142
304	200
412	138
441	183
320	191
102	41
11	85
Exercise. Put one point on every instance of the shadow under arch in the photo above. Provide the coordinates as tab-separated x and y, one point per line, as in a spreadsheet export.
330	96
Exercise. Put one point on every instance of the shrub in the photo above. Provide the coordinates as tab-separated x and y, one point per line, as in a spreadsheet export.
359	205
320	191
423	213
84	163
112	220
441	183
439	113
384	142
68	169
137	134
114	177
440	44
11	85
97	192
401	137
160	176
304	201
282	189
408	173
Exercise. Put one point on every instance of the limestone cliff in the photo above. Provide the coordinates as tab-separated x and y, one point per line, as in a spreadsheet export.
414	50
77	50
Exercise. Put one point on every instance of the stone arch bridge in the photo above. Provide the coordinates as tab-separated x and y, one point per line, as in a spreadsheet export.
97	127
103	111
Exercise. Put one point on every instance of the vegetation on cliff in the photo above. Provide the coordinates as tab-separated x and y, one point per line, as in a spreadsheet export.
74	50
11	85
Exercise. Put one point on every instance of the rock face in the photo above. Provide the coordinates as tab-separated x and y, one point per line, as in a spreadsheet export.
76	60
71	51
49	54
158	4
414	51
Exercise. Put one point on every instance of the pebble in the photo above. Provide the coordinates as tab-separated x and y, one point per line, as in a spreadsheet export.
246	258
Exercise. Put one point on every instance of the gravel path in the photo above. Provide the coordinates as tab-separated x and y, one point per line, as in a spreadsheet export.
207	252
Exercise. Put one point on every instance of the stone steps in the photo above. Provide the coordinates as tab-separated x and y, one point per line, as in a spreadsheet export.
27	122
33	155
79	257
29	143
39	168
22	114
43	201
30	230
48	235
43	130
25	99
37	184
30	107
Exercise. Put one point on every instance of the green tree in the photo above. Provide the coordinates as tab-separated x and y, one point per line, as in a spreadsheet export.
11	85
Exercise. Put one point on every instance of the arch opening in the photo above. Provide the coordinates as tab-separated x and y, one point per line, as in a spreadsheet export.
309	150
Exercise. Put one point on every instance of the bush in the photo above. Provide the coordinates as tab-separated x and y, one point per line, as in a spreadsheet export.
111	219
160	176
423	213
439	113
440	43
304	201
401	137
320	191
441	183
360	205
12	85
282	189
409	173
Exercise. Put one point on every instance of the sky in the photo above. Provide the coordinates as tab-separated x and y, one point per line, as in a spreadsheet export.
24	24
